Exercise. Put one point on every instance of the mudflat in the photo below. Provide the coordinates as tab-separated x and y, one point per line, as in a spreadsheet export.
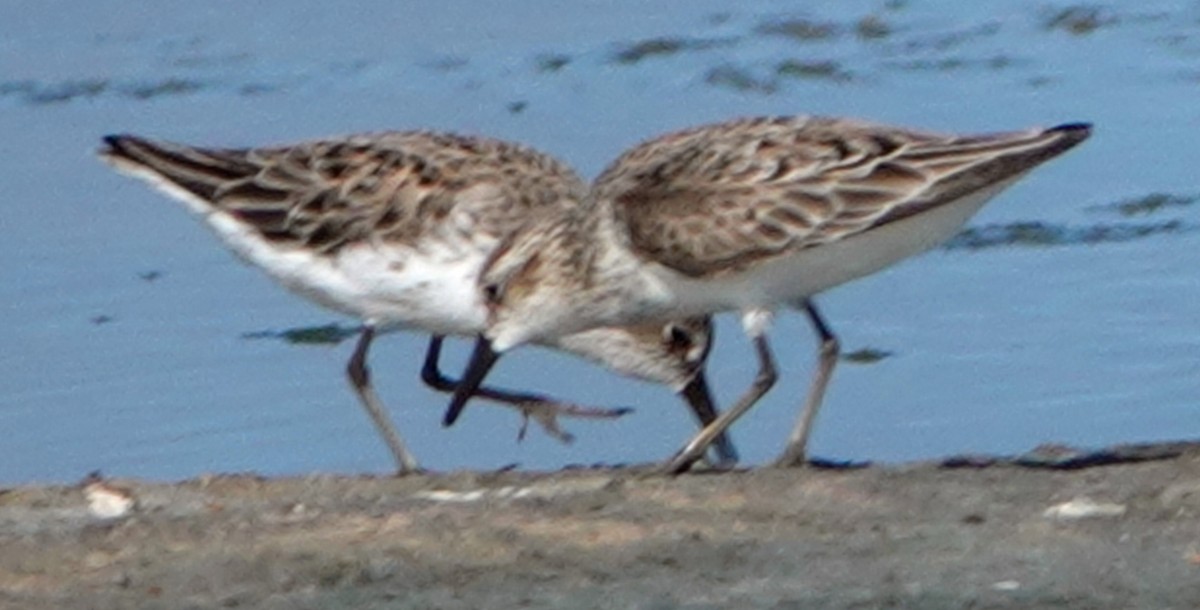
1118	528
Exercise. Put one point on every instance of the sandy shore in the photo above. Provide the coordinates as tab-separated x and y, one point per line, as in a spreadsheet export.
1112	529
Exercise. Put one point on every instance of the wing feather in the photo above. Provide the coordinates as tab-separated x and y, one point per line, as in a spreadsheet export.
326	194
726	195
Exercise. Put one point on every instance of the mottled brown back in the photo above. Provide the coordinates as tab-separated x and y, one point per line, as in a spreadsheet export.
717	198
391	186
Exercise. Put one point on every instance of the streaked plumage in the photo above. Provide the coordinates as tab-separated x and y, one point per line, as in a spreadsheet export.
746	216
393	228
714	200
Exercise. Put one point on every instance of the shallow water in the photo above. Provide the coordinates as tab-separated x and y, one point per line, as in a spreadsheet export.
125	320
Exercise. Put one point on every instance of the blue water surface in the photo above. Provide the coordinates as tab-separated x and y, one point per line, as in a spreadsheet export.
124	320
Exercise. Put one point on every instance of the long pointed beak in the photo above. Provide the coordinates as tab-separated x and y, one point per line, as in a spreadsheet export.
699	398
481	362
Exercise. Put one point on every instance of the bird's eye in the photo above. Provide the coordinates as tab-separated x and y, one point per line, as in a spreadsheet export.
678	337
491	293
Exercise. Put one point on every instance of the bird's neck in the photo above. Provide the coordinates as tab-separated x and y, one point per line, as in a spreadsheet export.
618	285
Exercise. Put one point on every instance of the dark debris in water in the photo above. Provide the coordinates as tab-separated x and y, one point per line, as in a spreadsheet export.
101	319
552	62
517	107
55	93
1149	204
872	27
804	30
816	70
821	463
1065	457
949	40
38	93
1041	234
1079	20
799	29
740	79
329	334
866	355
661	47
950	64
746	80
167	87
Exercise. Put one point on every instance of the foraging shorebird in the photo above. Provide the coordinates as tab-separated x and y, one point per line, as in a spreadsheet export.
748	215
393	228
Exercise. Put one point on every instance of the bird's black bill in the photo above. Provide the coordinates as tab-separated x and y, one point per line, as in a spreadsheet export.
481	362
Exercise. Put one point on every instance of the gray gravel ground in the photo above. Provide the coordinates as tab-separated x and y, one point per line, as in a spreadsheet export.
1125	534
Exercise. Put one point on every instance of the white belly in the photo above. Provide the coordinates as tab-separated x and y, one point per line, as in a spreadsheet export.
790	278
430	286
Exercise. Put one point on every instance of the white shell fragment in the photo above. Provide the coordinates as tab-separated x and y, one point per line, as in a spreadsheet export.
107	502
1083	507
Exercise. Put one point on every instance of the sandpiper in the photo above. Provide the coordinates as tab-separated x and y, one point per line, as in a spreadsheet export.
747	215
393	228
